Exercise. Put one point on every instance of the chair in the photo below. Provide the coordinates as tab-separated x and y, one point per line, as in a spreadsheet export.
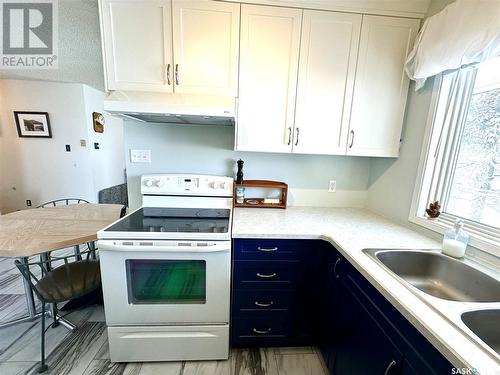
63	283
62	202
67	202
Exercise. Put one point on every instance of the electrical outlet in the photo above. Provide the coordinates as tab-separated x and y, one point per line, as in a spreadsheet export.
332	186
28	202
140	156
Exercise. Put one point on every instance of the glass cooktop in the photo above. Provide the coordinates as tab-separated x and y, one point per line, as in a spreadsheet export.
177	220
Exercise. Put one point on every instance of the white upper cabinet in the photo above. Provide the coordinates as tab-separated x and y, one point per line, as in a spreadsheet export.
206	42
137	44
182	46
328	51
269	55
381	86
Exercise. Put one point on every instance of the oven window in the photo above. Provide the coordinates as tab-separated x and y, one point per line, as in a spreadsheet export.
166	281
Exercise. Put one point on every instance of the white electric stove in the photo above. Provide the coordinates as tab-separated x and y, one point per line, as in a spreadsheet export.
166	271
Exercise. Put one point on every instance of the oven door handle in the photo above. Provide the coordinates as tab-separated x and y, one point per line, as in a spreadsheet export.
111	246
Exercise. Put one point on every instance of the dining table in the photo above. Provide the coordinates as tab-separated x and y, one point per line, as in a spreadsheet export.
40	231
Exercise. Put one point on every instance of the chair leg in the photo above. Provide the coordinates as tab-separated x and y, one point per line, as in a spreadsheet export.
54	315
43	367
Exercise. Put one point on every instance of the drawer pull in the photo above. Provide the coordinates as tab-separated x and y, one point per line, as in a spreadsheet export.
391	364
262	332
266	275
260	304
267	249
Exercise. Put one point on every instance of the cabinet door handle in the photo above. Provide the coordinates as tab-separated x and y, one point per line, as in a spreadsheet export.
262	304
261	331
289	136
390	366
267	249
266	275
297	139
352	138
335	268
168	74
177	74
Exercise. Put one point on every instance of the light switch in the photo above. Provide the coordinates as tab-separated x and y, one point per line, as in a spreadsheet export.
140	156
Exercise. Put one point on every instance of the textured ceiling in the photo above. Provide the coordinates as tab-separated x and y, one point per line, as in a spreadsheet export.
80	58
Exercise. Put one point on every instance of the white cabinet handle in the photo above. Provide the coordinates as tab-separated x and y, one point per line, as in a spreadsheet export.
289	136
352	138
297	139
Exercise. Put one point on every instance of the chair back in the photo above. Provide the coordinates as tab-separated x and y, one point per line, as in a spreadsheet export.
63	202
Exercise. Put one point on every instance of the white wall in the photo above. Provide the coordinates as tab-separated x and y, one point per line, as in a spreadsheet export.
392	180
40	169
107	162
209	150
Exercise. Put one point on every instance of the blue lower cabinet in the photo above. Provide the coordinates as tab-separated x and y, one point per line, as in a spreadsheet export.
365	334
304	292
277	292
361	347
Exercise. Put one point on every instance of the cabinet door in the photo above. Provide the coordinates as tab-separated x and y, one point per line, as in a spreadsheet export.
206	41
137	44
361	346
329	46
381	86
269	59
329	333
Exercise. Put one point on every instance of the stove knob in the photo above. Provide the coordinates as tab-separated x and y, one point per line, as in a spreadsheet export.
212	185
224	185
148	183
159	183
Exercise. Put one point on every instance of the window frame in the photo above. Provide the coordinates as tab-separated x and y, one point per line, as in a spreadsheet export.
430	168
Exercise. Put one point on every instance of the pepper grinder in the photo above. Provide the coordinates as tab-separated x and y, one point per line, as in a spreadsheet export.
239	174
240	190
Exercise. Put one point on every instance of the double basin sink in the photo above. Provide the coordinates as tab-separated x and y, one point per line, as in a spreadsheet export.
459	287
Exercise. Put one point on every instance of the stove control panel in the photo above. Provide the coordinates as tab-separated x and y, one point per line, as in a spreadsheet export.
178	184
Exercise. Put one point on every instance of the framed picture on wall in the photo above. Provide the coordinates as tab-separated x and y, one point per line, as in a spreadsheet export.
33	124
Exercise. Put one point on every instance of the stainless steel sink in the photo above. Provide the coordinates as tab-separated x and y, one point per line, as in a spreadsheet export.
439	275
486	325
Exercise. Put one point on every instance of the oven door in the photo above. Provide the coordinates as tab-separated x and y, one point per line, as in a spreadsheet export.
165	282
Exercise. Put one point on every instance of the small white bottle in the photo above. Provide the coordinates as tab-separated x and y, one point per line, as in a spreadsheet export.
455	240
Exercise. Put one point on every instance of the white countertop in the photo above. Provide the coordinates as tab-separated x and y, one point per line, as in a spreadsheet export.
351	230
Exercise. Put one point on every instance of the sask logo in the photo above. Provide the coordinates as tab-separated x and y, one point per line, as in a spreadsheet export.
29	34
464	371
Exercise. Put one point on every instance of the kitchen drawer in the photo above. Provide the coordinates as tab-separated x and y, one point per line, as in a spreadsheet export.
260	330
262	300
267	250
258	275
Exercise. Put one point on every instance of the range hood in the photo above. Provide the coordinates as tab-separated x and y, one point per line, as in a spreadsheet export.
172	108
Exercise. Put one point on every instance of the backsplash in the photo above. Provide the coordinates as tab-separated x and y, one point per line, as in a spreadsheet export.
209	150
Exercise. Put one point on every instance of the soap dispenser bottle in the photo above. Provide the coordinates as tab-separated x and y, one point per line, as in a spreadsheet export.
455	240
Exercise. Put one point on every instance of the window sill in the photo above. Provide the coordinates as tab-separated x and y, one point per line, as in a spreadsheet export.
486	244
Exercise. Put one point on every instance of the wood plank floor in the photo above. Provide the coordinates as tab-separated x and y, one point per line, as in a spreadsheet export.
85	351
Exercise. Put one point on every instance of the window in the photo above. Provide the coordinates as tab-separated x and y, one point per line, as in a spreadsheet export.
461	160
